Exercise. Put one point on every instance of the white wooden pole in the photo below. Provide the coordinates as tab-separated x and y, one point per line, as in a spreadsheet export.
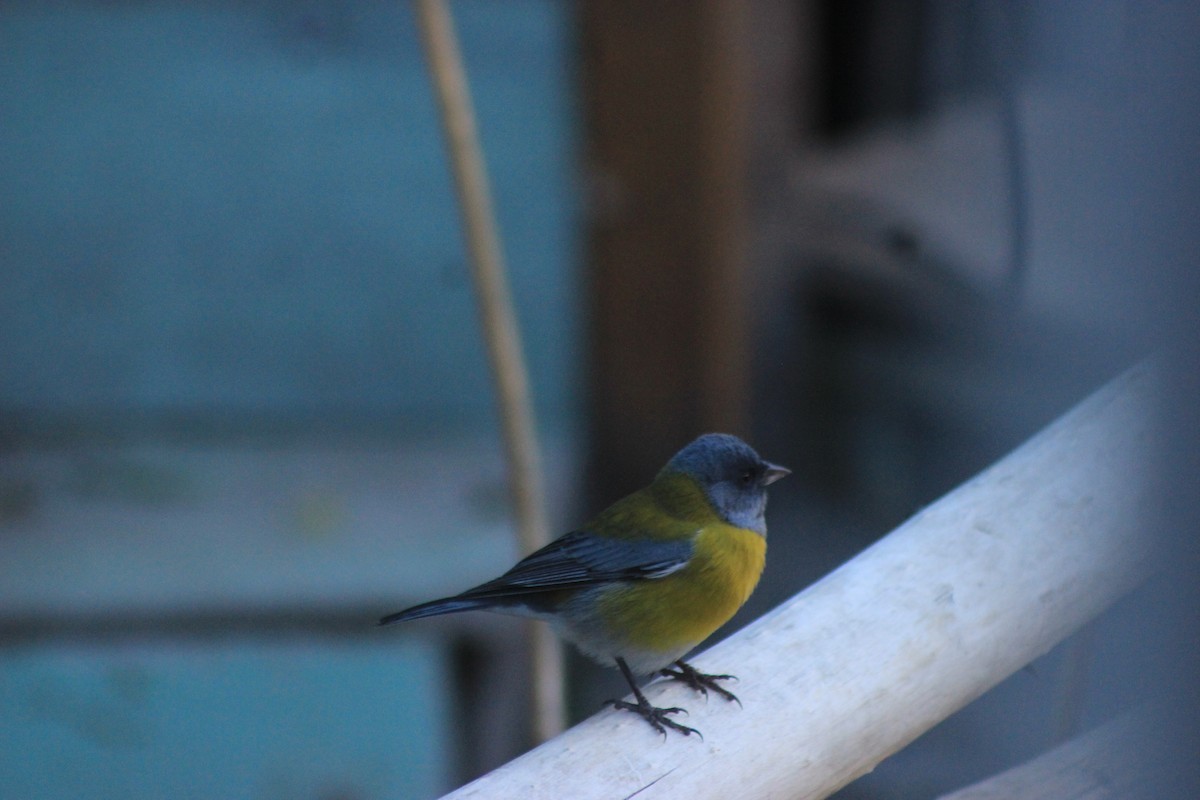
852	669
1111	762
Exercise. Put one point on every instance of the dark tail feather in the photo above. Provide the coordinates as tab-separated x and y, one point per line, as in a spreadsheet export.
448	605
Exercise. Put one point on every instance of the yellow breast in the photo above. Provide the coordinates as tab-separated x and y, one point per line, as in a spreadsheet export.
679	611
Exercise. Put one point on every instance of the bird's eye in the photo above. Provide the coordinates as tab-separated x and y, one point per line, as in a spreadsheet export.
746	478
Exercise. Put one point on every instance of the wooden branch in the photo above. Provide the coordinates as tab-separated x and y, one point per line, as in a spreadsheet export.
1111	762
500	331
857	666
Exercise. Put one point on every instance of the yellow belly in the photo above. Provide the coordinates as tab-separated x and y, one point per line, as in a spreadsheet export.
675	613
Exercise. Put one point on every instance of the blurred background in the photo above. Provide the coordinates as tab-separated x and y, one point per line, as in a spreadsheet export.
244	405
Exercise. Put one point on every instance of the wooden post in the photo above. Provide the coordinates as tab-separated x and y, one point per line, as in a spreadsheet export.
857	666
663	86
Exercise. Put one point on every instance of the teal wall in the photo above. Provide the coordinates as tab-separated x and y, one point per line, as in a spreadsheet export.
269	720
220	211
247	207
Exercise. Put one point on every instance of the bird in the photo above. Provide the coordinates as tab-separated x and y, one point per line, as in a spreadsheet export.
650	577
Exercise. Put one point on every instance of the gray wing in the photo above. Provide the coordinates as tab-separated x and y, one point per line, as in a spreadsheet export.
581	559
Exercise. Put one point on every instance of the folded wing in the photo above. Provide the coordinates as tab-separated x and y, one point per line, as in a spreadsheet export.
575	561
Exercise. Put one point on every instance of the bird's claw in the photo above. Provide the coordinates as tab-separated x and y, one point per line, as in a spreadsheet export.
657	717
701	682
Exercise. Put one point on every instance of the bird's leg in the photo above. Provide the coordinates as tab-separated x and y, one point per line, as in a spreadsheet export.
657	717
699	681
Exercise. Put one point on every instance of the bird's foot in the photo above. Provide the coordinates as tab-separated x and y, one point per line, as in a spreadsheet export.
656	716
701	682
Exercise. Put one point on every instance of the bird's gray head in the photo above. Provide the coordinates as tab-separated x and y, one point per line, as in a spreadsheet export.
733	476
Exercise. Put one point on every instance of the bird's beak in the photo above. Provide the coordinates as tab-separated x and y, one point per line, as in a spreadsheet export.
774	472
